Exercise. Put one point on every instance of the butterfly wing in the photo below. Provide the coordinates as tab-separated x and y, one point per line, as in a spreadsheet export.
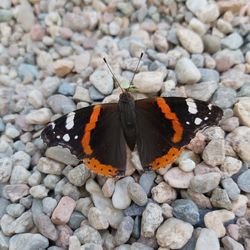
166	125
94	135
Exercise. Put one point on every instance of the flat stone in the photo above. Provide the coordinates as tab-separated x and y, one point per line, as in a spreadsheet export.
174	233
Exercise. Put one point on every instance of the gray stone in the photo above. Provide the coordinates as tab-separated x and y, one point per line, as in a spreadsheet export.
147	181
78	175
233	41
16	191
220	199
186	210
231	188
49	205
5	15
48	166
19	175
21	158
15	210
231	244
244	181
207	238
224	97
67	89
4	242
28	241
50	181
5	169
26	70
212	43
124	230
209	75
3	205
94	94
75	220
39	191
137	194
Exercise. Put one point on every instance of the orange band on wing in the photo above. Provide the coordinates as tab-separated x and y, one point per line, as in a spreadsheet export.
88	128
166	159
165	109
99	168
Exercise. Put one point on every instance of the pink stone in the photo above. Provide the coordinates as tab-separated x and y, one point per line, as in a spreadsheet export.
233	231
64	233
37	32
203	168
63	211
66	33
198	144
16	191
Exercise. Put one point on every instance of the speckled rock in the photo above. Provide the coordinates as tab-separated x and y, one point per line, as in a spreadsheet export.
174	233
220	199
231	165
163	193
97	219
48	166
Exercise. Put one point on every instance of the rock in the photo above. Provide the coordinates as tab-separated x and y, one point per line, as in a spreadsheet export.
214	220
63	67
177	178
124	230
28	241
186	210
36	99
207	238
149	82
67	89
224	26
96	219
163	193
220	199
206	11
239	206
239	139
5	169
108	187
27	71
147	181
233	41
39	116
82	94
50	181
16	191
63	210
186	71
151	219
229	124
39	191
3	205
231	188
205	183
4	242
61	104
78	175
209	75
137	194
49	205
75	220
202	91
19	175
87	234
174	233
82	61
214	152
64	233
231	165
48	166
229	243
5	15
190	40
62	155
15	210
102	80
242	110
212	43
49	86
94	94
187	165
74	243
244	181
121	198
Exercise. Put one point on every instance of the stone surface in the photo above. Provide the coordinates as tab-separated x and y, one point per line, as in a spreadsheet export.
207	238
242	110
163	193
96	219
229	243
137	194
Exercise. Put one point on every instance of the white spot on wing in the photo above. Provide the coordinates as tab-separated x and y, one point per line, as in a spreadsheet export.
210	106
52	125
66	137
187	122
197	121
192	107
76	137
70	120
206	118
58	137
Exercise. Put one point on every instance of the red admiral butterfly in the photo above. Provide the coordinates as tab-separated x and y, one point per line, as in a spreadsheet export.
159	127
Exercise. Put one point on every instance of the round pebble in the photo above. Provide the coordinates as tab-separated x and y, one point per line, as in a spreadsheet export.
137	194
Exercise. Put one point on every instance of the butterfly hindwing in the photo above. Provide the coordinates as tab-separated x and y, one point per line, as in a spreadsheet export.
86	133
165	125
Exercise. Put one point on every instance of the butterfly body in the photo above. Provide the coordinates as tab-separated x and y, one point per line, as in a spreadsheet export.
158	128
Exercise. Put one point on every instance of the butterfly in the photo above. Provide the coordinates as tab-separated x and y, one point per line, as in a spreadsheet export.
158	128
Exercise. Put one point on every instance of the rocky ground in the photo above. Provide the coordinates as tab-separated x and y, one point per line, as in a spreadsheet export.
51	63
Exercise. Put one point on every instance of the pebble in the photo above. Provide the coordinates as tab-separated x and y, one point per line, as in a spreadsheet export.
239	206
163	193
39	116
209	238
212	43
5	169
205	183
28	241
177	178
243	181
121	191
239	139
35	178
190	40
39	191
49	86
81	61
97	219
61	104
67	89
231	188
151	219
220	199
214	220
16	191
74	243
214	152
242	110
147	181
27	70
187	165
4	242
186	71
231	165
64	233
36	99
75	220
11	131
94	94
149	82
229	124
233	41
15	210
3	205
19	175
108	187
63	67
5	15
87	234
202	91
102	81
48	166
229	243
174	233
209	75
137	194
63	210
186	210
224	26
81	94
49	205
124	230
50	181
78	175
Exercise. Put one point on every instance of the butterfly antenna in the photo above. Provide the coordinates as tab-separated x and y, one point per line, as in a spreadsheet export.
136	68
104	59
